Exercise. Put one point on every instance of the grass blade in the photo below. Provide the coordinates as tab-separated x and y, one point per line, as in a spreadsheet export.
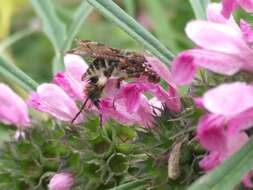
199	8
10	71
114	13
130	7
230	173
81	14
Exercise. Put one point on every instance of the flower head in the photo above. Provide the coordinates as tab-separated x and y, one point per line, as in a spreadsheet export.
61	181
221	130
228	55
13	110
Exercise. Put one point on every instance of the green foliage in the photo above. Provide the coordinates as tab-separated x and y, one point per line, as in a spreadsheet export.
199	8
12	72
117	156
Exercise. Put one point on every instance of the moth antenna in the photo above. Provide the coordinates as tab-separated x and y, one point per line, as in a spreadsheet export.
80	111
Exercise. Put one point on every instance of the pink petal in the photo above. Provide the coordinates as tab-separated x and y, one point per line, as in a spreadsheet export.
118	112
131	94
61	181
211	133
247	180
246	31
198	101
217	62
228	7
214	15
183	69
217	37
13	110
229	99
160	68
241	121
52	99
210	161
246	4
70	85
75	66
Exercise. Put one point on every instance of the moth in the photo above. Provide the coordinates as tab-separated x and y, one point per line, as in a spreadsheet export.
110	62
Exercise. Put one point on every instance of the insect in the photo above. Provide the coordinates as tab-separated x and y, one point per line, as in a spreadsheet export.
110	62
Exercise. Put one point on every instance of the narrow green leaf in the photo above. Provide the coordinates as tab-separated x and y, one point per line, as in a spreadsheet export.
52	25
81	14
199	8
14	38
114	13
131	185
230	173
162	27
10	71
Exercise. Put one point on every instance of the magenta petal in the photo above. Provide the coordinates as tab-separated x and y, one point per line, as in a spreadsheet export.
13	110
210	161
211	133
183	69
247	180
246	31
228	7
131	94
70	85
160	68
246	4
229	99
241	121
52	99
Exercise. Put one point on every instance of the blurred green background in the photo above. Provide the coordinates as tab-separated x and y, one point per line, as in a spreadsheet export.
33	53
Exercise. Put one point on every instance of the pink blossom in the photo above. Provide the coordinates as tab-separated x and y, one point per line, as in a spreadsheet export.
70	80
13	110
52	99
230	5
61	181
223	47
221	131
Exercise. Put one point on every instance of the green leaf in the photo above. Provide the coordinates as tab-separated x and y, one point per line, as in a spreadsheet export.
230	173
162	27
53	27
131	185
79	17
199	8
10	71
114	13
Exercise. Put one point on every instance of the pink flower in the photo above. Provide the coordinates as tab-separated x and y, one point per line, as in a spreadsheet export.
230	5
61	181
223	47
70	80
52	99
220	132
13	110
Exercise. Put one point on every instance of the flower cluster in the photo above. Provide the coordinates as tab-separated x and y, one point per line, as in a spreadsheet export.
126	104
225	48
